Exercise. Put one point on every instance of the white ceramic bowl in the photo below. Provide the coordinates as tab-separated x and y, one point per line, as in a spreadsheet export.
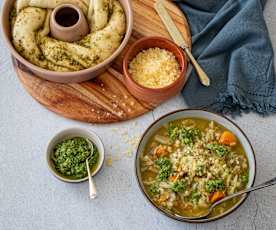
70	133
194	113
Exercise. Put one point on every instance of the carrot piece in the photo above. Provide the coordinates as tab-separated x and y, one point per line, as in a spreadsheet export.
173	178
160	151
228	138
216	196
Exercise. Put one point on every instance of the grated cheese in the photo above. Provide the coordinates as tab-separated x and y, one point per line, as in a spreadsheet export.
154	68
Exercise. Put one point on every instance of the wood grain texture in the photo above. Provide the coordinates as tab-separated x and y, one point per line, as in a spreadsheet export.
104	99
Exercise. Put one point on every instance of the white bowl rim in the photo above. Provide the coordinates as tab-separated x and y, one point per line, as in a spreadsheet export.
100	147
141	187
69	74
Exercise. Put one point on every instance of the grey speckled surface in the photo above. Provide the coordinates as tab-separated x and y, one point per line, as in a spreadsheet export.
32	199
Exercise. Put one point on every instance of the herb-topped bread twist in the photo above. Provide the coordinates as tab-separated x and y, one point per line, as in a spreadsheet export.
31	34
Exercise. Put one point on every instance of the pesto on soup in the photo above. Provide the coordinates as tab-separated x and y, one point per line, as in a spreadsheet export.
189	164
69	157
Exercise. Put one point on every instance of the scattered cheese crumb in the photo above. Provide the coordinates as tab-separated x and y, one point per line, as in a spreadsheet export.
117	158
129	153
109	161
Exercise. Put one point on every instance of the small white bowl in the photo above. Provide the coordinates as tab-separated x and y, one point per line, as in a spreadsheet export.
70	133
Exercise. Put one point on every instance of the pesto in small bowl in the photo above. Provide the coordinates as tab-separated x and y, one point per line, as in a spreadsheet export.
68	150
69	157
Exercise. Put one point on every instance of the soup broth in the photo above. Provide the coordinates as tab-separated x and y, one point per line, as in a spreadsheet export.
189	164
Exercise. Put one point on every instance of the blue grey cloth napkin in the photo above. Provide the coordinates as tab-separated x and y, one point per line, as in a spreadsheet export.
232	44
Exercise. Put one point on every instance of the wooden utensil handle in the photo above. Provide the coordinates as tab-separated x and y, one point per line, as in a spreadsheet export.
202	75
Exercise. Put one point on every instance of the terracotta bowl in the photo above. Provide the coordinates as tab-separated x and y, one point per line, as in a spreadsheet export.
65	77
150	95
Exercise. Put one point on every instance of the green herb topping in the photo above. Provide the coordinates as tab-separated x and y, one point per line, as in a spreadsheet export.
186	136
245	178
215	185
218	149
194	197
154	189
179	186
69	157
165	168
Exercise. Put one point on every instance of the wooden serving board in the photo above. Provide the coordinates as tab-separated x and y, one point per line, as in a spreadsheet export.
104	99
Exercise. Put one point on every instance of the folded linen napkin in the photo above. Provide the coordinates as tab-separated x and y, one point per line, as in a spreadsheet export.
232	44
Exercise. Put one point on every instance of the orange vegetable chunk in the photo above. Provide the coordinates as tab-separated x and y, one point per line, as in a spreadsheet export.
228	138
216	196
160	151
173	178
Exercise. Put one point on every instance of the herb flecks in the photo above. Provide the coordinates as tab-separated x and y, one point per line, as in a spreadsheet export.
185	135
70	155
165	168
218	149
245	178
154	189
215	185
179	186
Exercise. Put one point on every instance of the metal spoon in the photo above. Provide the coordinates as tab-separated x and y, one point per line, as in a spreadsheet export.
261	186
92	186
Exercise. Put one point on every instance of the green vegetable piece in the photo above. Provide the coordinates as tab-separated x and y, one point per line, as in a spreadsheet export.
173	131
195	196
165	168
154	189
245	178
179	186
215	185
218	149
186	136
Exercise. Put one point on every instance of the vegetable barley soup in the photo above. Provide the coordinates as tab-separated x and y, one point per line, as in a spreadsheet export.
189	164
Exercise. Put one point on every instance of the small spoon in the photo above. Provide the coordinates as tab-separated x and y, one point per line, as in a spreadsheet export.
261	186
92	186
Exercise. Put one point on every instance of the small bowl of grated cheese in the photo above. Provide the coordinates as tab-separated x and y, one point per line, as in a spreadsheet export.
154	69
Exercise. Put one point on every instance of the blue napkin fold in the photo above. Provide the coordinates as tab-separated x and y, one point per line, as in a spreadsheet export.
232	44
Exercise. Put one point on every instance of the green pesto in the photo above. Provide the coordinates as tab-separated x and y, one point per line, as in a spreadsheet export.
186	136
69	157
179	186
165	168
220	150
154	189
215	185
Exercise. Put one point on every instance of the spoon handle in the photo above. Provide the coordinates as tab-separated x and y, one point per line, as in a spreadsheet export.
204	79
92	186
261	186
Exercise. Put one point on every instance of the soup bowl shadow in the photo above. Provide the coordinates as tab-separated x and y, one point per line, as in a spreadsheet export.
200	114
